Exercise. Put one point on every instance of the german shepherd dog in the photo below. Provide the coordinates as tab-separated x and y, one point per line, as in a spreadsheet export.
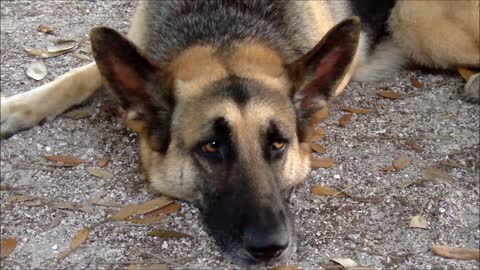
222	94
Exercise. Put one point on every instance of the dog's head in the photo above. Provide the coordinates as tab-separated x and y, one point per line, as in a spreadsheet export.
224	126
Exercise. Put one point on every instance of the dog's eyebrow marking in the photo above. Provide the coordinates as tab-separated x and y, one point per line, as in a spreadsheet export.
237	91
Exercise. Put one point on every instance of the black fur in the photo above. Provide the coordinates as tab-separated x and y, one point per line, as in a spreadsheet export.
179	24
374	15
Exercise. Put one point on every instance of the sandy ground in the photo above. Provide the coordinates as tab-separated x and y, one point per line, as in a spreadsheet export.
372	228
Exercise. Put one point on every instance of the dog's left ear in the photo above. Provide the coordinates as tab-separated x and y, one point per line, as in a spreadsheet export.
143	88
318	74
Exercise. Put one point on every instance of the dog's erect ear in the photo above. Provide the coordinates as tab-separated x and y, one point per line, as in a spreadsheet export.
143	88
317	74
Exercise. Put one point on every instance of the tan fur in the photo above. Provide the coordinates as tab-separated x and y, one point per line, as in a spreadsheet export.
256	61
441	34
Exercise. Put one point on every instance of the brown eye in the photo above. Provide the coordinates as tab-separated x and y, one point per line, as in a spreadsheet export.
210	147
278	145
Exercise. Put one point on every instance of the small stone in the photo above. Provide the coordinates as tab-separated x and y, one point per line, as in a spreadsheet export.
441	210
336	176
54	247
165	245
48	149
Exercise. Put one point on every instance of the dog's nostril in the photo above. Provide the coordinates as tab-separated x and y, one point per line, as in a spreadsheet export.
266	253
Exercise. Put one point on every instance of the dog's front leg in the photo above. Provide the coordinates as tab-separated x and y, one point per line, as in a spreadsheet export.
46	102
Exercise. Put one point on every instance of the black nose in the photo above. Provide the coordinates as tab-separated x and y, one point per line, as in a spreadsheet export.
266	252
265	235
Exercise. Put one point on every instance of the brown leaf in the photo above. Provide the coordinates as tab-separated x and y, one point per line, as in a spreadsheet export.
62	45
147	219
33	203
66	205
434	174
314	135
106	202
357	110
79	238
318	148
153	205
418	222
456	252
413	144
286	267
19	198
82	57
401	162
406	184
44	29
344	120
171	208
141	266
345	262
466	73
44	53
415	82
65	159
125	212
103	162
389	94
99	172
79	113
389	169
321	163
326	191
164	234
7	246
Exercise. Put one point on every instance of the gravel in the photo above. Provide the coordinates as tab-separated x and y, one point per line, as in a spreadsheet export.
371	227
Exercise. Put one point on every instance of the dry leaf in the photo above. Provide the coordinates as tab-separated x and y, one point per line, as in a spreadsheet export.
103	162
65	159
357	110
318	148
33	203
466	73
37	70
171	208
99	172
321	163
415	82
456	252
389	169
79	113
87	49
62	45
406	184
125	212
434	174
418	222
413	144
79	238
18	198
314	135
389	94
163	234
140	266
361	268
153	205
44	53
344	120
44	29
326	191
401	162
345	262
65	205
147	219
7	246
286	267
82	57
105	202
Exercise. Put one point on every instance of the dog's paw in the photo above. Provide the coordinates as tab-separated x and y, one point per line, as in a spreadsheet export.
471	91
15	116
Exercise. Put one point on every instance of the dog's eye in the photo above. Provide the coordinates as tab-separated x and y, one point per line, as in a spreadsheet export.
210	147
278	145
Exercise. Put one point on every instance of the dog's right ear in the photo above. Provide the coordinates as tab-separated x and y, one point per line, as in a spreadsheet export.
143	88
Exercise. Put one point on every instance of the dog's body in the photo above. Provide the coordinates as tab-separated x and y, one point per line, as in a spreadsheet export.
222	92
